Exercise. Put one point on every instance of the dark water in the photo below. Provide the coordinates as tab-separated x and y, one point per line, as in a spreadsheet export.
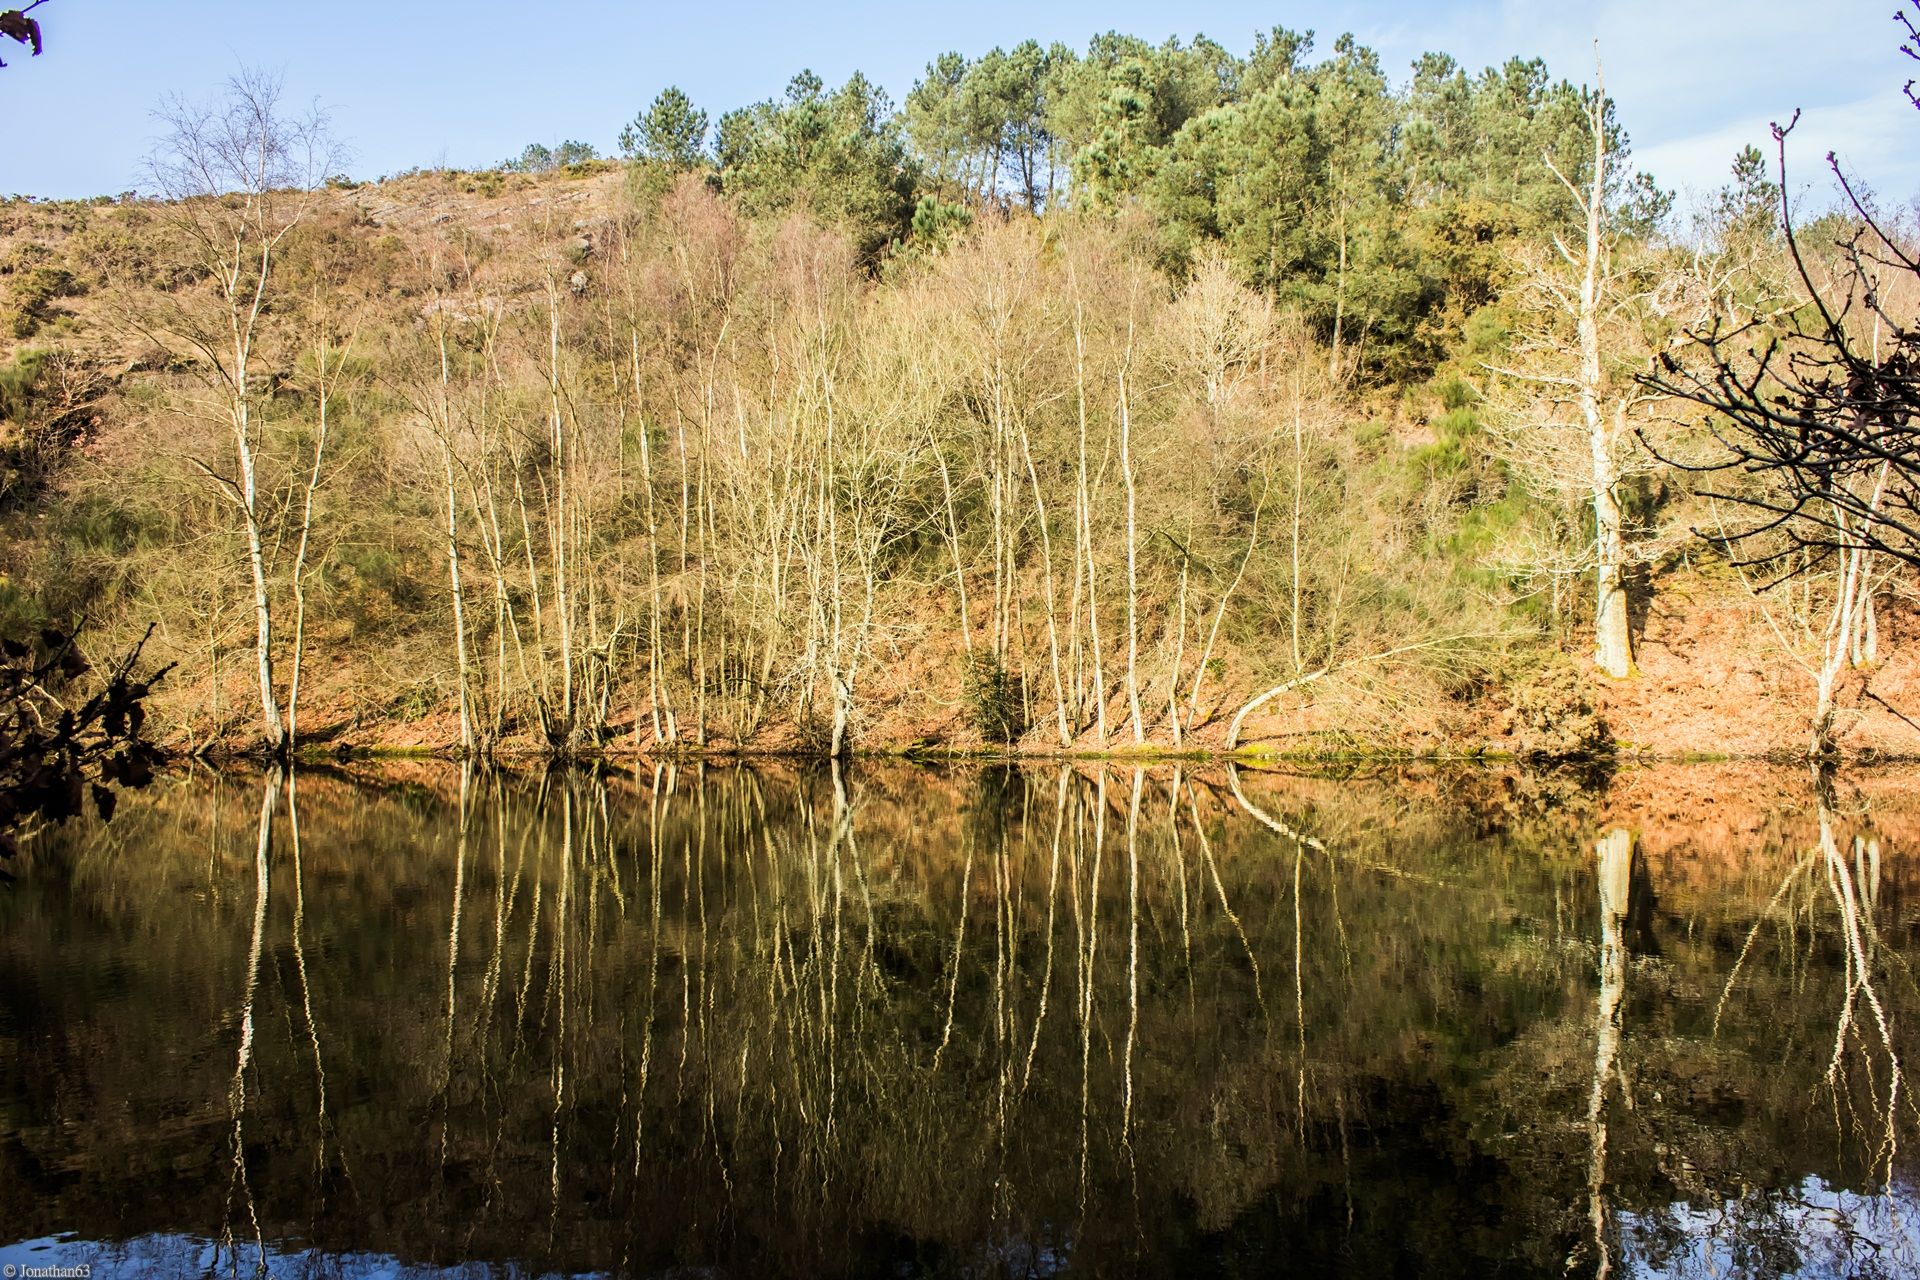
728	1022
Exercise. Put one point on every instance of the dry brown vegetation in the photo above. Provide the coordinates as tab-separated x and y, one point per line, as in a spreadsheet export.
563	464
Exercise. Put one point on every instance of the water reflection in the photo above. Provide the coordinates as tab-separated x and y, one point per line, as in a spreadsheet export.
1615	884
981	1022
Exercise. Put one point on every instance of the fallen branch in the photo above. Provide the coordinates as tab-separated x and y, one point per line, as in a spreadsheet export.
1259	700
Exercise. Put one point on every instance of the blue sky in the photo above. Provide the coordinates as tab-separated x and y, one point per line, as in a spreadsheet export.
425	82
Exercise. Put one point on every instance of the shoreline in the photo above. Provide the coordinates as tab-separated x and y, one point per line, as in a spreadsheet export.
1782	757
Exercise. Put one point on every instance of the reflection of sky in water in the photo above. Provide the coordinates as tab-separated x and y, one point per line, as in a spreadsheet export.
412	1015
165	1257
1811	1231
169	1256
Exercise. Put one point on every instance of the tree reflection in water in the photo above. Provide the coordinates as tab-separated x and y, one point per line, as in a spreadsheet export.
979	1022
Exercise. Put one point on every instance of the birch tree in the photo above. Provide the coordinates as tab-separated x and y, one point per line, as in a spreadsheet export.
1568	404
238	176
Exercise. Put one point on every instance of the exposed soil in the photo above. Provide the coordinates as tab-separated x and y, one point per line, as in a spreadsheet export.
1714	680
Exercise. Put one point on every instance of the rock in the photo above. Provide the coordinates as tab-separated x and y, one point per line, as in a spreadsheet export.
577	282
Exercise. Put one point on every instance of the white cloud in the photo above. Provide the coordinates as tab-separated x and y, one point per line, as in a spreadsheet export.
1695	80
1872	138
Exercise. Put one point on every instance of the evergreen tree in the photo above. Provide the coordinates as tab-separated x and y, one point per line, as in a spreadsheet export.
841	155
671	133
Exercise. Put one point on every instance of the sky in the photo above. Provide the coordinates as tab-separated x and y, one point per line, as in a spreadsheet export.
410	83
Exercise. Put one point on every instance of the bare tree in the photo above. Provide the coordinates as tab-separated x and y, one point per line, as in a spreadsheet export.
1581	286
238	175
1814	409
331	357
1819	412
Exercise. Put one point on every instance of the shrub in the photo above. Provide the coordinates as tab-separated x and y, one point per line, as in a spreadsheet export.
812	732
17	379
1553	714
32	291
992	698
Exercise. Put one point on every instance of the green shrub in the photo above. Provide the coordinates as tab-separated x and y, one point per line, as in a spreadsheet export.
992	697
1455	393
935	220
22	614
381	593
32	291
17	379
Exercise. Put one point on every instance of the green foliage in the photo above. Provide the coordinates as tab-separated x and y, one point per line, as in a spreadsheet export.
840	155
1480	138
30	294
1386	216
17	379
99	523
984	128
539	158
487	182
935	220
1123	103
991	695
379	586
671	133
22	613
1750	204
1455	394
28	440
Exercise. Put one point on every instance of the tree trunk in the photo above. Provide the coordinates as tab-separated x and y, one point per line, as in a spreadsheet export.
953	545
276	732
1339	299
1046	569
1612	642
1084	520
1133	582
558	520
461	664
1843	630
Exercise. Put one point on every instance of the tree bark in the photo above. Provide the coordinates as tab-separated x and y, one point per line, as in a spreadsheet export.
1612	641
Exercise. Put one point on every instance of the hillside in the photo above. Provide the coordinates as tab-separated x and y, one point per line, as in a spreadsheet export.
709	477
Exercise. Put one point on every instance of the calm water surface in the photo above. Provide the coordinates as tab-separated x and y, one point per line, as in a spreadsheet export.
771	1022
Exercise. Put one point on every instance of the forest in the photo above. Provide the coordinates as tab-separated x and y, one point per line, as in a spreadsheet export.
1146	397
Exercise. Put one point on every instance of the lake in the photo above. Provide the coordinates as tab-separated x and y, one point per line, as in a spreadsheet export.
978	1021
